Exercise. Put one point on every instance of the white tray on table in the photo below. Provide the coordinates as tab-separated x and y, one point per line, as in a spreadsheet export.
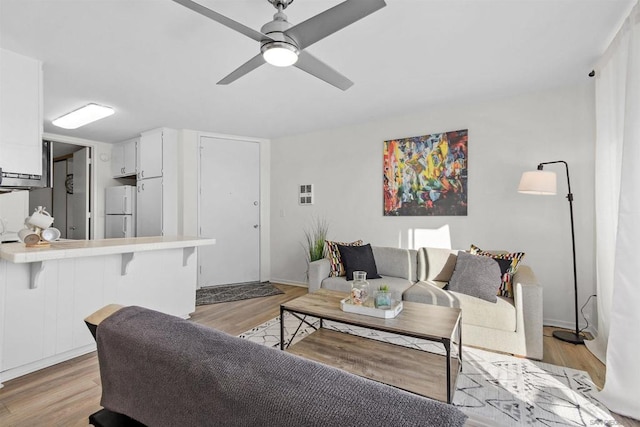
369	310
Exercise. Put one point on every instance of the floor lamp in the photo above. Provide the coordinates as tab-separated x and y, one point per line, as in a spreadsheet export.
544	183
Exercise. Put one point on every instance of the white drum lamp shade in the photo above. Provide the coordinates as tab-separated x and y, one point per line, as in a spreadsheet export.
538	182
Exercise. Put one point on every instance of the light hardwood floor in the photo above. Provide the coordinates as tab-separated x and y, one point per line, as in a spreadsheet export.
67	393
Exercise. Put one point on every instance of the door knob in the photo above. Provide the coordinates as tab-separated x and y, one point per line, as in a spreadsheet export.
256	226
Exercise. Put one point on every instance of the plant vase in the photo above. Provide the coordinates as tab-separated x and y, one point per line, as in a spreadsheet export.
382	299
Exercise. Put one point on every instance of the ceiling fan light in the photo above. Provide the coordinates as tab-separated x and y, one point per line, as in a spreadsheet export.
280	54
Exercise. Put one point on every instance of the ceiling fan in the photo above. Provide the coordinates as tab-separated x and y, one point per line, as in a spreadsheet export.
283	44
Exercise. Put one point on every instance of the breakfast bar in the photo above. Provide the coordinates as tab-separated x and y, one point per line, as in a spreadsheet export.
46	292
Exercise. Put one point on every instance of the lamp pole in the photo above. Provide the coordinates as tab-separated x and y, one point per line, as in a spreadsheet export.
572	337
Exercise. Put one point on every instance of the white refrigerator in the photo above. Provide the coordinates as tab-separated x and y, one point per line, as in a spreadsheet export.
120	210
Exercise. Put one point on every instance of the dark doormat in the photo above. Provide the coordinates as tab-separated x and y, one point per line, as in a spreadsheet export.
226	293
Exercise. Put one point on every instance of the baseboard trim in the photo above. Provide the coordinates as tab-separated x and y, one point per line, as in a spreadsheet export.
28	368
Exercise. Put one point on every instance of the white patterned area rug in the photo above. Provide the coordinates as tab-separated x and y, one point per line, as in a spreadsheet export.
492	389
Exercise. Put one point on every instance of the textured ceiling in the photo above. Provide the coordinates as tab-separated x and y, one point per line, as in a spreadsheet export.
157	63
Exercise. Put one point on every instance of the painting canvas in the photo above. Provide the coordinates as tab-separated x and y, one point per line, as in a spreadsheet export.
426	175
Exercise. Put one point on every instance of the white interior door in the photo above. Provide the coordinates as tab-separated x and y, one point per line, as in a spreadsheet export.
229	211
78	226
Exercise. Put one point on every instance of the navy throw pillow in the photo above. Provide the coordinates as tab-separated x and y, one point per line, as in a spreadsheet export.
358	258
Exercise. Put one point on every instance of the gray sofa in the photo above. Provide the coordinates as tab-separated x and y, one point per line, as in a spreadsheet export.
510	325
165	371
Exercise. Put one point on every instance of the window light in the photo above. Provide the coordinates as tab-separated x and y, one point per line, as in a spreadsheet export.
83	116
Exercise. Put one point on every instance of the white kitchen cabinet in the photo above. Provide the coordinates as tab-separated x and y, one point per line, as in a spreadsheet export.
124	158
157	182
20	114
24	342
149	206
150	154
41	322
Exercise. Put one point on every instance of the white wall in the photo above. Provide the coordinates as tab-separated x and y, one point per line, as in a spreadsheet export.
506	137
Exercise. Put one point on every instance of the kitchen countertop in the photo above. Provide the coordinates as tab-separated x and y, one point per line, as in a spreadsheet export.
18	253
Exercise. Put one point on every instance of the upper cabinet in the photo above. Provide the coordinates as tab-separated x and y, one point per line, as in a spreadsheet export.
150	149
123	158
20	114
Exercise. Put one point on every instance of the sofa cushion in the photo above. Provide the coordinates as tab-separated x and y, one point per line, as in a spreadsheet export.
506	287
475	311
421	272
333	255
439	264
395	262
430	292
413	265
358	258
476	275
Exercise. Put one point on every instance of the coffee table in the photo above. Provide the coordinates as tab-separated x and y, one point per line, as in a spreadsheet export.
420	372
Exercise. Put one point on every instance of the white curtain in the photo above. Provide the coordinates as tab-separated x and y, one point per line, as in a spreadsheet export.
617	191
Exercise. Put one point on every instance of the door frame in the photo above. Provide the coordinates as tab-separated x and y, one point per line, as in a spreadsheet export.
93	186
81	163
264	257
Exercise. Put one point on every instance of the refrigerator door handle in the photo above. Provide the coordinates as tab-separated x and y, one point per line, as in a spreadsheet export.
124	226
124	205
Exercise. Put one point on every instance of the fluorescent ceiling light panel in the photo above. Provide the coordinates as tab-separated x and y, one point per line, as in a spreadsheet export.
83	116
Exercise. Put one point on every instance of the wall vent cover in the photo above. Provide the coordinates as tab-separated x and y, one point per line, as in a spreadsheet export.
305	196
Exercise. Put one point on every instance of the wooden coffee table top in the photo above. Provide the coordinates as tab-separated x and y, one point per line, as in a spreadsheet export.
418	320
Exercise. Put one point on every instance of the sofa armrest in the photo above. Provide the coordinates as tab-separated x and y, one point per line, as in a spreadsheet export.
528	301
93	320
318	271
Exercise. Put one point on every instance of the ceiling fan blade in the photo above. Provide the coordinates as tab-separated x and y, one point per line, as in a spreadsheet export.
249	32
245	68
315	67
328	22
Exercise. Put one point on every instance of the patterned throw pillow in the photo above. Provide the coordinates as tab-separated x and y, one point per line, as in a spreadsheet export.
506	287
333	254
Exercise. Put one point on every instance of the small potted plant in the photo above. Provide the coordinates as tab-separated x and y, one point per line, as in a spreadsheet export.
383	297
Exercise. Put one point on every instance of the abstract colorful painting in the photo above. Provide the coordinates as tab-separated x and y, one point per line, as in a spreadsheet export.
426	175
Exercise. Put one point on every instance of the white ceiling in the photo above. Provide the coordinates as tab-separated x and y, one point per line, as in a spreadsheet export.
157	63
